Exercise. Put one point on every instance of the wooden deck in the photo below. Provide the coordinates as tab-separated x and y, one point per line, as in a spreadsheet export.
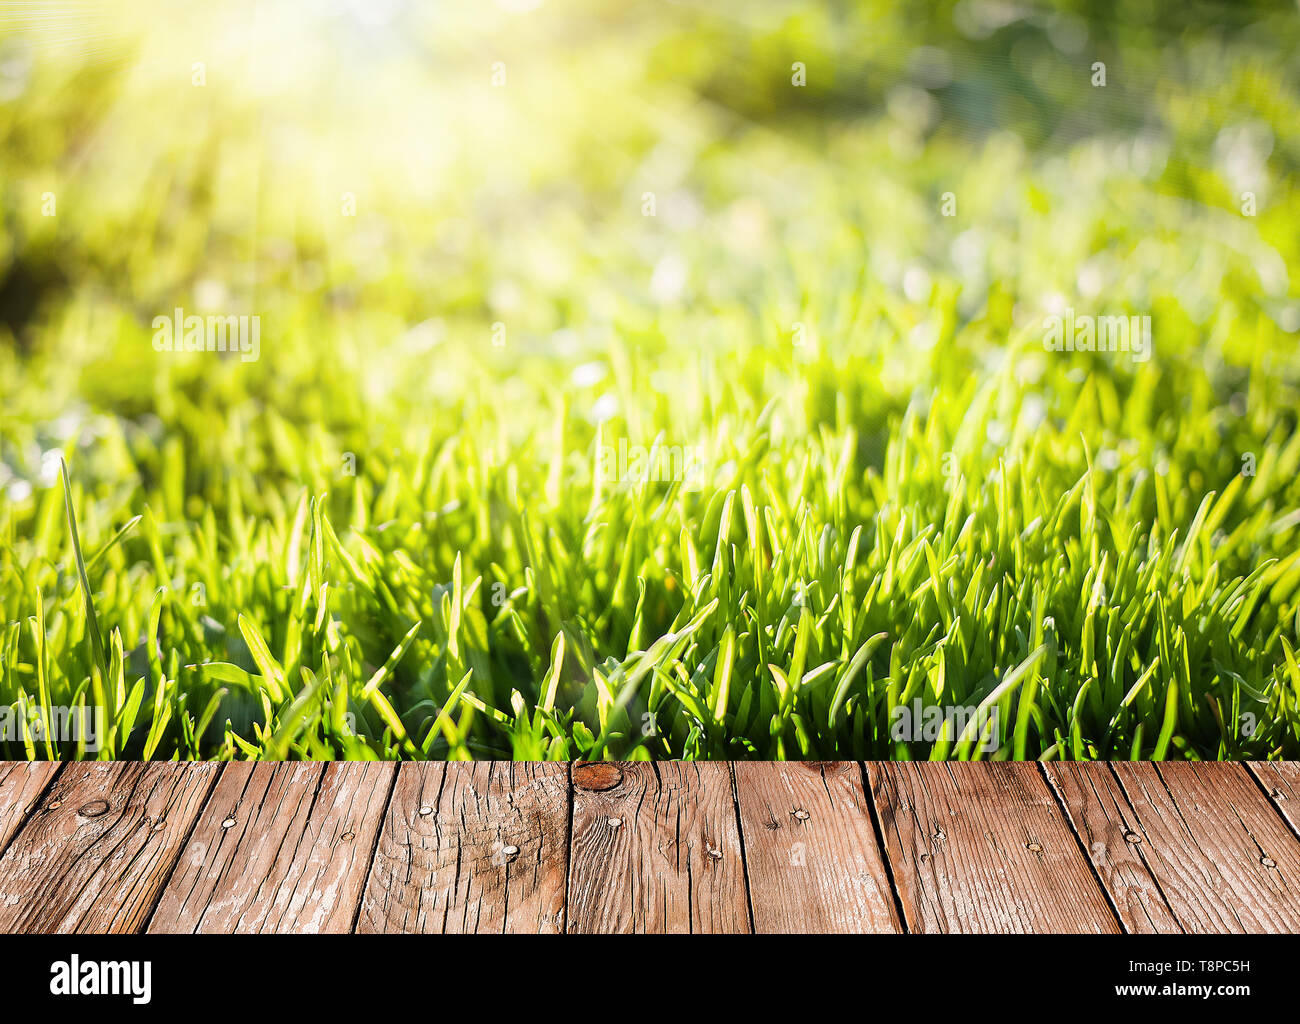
667	847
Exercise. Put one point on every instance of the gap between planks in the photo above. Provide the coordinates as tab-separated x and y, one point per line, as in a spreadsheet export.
100	845
26	783
1180	847
279	847
982	849
472	846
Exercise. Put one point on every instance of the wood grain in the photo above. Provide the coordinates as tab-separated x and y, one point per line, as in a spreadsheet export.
280	847
983	848
1108	827
657	852
1223	858
96	853
668	847
1281	781
21	783
811	855
471	847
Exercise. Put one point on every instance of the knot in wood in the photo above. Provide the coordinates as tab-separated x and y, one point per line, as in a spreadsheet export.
597	775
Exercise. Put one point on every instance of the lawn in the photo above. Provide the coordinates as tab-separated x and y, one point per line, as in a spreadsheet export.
643	381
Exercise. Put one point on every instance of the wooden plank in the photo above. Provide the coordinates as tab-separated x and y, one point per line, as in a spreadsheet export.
96	853
983	848
280	847
656	848
1281	780
1225	861
1108	828
21	782
811	854
471	847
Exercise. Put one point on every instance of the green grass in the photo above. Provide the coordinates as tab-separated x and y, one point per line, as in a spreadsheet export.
385	540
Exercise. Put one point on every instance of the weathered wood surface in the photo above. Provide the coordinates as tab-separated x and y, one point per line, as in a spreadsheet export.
1108	827
984	848
20	785
642	847
279	848
811	854
1223	859
472	847
95	854
656	848
1281	781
